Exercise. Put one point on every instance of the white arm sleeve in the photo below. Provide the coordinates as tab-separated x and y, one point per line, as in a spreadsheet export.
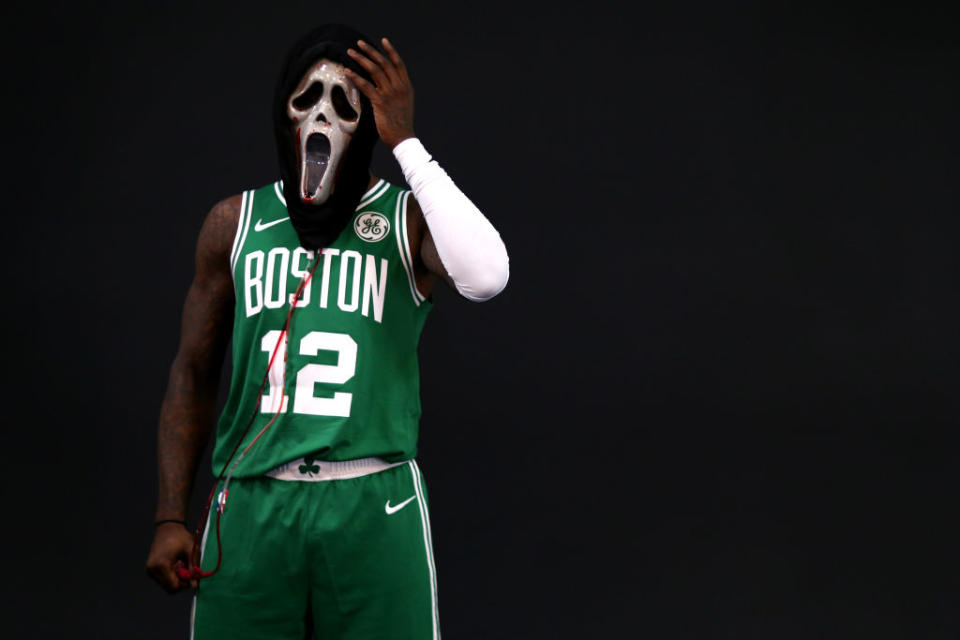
469	247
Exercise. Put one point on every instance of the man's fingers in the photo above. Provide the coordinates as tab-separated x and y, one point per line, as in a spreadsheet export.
372	53
375	71
363	84
165	577
173	581
396	60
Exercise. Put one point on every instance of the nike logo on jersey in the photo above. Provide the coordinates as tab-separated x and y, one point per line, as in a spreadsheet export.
260	226
391	510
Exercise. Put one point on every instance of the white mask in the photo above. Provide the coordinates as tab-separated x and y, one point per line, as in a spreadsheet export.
324	110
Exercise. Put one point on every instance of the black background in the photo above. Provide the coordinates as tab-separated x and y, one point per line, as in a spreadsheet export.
717	399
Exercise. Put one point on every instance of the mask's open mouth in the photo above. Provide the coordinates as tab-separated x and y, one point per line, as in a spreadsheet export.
317	156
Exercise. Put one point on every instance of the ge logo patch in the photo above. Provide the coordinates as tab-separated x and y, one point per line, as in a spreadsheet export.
372	227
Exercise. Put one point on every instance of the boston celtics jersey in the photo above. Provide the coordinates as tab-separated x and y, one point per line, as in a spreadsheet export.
349	385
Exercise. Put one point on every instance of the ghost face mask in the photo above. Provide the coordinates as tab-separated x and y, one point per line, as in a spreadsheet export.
324	112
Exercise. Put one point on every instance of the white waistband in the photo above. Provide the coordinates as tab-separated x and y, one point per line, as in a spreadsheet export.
320	470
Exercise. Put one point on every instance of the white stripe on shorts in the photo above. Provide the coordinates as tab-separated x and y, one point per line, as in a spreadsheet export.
428	543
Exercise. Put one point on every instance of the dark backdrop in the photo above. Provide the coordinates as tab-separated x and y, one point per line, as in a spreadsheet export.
717	399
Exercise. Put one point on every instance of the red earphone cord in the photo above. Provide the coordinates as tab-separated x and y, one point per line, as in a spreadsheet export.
194	572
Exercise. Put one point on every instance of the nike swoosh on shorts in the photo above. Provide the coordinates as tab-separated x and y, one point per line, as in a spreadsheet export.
391	510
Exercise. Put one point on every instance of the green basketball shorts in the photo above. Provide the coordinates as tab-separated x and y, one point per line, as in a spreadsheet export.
348	555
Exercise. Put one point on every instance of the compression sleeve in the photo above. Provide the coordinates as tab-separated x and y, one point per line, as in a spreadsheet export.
469	247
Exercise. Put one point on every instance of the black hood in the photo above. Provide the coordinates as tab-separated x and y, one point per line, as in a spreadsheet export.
319	225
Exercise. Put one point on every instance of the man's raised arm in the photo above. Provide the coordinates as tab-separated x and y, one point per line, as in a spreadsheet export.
460	245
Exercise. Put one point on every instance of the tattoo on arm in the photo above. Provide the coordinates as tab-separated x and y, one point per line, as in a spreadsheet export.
187	412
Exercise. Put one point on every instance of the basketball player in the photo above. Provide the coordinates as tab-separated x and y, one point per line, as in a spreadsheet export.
320	522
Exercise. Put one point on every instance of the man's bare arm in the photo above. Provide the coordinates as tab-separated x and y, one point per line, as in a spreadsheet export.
187	412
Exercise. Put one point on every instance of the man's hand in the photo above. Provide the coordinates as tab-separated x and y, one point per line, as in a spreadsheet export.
391	92
172	543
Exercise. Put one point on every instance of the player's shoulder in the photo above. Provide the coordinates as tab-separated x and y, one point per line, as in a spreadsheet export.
227	215
226	212
220	225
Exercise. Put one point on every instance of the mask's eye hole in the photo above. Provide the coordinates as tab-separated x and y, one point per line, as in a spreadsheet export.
309	97
341	105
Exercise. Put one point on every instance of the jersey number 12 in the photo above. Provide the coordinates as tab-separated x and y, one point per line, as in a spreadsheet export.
304	401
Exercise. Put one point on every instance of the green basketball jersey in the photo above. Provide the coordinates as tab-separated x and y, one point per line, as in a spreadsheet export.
351	388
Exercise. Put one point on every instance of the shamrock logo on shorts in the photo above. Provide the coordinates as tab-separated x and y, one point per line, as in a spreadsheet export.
309	467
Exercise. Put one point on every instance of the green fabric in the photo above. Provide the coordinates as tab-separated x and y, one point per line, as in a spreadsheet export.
327	547
351	372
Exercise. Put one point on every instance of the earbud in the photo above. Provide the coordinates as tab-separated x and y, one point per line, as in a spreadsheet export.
193	573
